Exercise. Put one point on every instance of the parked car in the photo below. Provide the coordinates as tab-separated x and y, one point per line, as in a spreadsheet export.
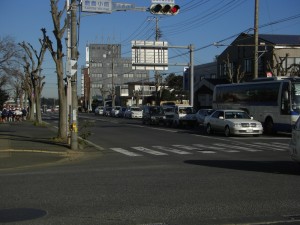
184	115
169	112
99	110
115	112
153	115
133	112
232	122
107	110
201	114
294	149
122	111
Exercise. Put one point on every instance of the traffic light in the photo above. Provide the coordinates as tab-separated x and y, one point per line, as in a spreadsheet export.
164	9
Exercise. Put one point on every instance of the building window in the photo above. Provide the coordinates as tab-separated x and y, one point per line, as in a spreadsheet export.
248	65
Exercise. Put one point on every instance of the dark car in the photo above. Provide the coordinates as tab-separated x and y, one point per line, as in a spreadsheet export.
201	114
153	115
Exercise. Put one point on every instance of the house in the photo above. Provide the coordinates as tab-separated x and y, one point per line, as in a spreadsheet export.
278	55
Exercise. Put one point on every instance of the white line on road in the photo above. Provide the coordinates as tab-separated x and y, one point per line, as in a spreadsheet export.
125	152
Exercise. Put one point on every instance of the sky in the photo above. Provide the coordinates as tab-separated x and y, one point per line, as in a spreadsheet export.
200	23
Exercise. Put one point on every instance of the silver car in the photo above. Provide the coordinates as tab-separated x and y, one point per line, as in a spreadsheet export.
232	122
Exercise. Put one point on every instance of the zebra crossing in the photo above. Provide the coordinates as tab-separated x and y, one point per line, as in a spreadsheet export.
214	148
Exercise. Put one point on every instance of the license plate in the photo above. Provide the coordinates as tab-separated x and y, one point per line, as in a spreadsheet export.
249	131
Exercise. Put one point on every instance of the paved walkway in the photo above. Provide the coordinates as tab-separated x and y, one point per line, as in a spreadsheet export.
22	144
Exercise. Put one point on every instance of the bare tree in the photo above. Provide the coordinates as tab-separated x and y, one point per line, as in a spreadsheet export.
232	78
57	56
9	62
36	61
280	70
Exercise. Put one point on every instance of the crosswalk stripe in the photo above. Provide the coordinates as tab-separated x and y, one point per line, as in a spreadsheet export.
271	146
207	152
215	148
204	149
125	152
239	148
186	147
172	150
150	151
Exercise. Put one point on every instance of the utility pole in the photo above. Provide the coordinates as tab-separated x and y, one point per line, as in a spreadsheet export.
157	75
256	39
74	127
191	75
113	98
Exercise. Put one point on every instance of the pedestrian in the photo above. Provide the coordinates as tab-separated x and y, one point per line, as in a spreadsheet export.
10	115
4	115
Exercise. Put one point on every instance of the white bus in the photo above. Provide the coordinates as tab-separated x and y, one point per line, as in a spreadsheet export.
275	102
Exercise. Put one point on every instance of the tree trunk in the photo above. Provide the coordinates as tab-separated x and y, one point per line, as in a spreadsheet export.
62	129
38	117
31	108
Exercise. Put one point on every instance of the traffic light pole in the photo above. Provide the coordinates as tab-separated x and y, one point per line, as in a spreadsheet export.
74	113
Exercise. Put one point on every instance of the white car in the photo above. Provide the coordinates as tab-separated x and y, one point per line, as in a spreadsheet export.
133	112
99	110
232	122
115	112
184	115
295	142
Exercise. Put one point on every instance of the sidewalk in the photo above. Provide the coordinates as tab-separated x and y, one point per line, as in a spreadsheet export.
24	145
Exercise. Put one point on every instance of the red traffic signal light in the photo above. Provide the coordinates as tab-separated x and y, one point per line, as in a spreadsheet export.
164	9
175	9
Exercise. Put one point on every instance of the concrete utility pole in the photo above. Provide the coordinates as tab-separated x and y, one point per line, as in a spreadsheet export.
74	56
256	40
157	75
191	75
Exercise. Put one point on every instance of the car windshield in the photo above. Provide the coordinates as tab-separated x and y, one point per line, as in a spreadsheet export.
170	109
155	110
236	115
136	109
186	110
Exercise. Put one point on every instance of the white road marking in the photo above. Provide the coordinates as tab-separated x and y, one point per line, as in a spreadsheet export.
171	150
149	151
125	152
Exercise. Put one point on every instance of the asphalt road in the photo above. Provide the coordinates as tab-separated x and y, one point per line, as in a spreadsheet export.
156	175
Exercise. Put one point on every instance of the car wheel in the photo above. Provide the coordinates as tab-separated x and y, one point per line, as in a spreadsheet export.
208	129
227	131
268	128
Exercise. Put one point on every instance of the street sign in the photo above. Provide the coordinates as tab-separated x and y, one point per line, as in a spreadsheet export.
96	6
71	67
119	6
149	55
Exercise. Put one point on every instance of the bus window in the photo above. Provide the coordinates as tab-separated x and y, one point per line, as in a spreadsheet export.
295	97
285	101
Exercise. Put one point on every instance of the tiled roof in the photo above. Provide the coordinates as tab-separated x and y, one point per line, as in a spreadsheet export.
280	39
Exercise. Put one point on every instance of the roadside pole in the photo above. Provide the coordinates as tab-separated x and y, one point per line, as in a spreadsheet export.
74	113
